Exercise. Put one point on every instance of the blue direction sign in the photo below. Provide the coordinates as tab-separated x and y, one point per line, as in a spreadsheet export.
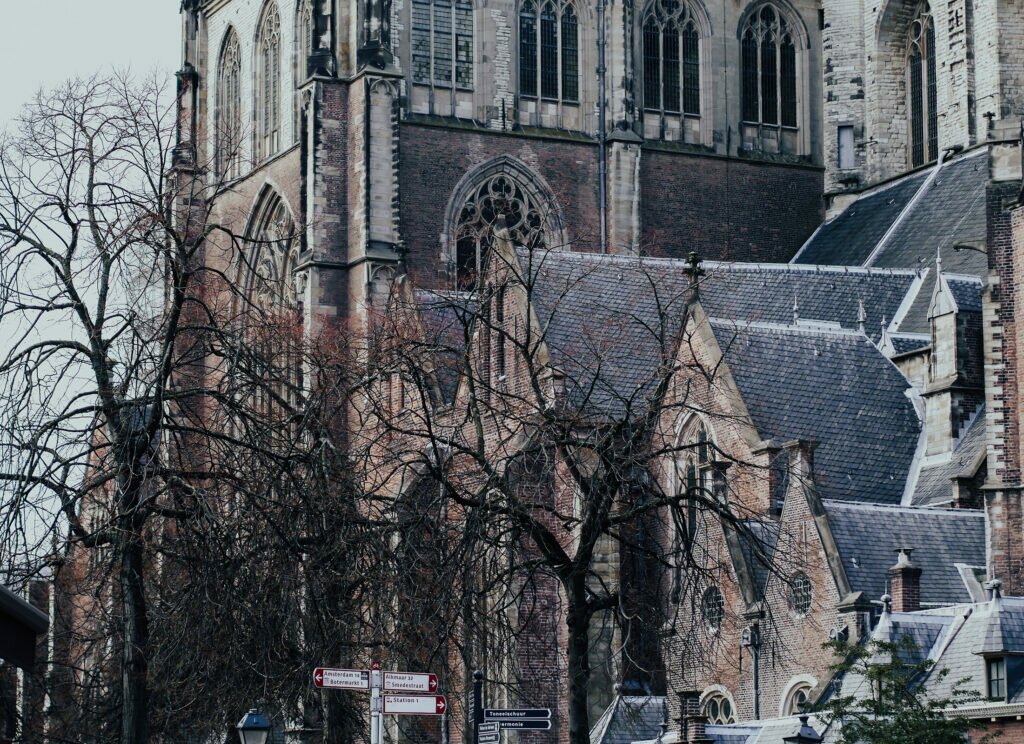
515	714
533	724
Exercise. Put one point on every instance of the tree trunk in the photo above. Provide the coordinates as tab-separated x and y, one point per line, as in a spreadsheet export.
134	690
578	622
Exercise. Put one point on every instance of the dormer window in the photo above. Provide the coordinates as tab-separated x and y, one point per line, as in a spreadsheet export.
996	667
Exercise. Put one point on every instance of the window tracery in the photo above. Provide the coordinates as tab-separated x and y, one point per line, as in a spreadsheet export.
769	69
499	194
797	699
671	51
922	88
229	108
442	43
800	593
549	50
268	83
719	709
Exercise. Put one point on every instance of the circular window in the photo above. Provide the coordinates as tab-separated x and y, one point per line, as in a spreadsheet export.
718	709
800	593
713	606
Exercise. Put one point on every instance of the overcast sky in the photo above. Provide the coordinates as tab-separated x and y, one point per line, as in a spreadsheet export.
48	41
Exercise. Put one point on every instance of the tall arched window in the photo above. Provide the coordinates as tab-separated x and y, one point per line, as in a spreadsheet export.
549	50
268	83
921	88
768	62
671	59
303	49
442	43
497	195
229	108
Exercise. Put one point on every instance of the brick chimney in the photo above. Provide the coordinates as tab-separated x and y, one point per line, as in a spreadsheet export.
905	578
692	719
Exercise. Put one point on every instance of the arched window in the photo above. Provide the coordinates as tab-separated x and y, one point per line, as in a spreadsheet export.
229	108
499	194
268	83
671	59
921	88
797	698
304	48
768	62
719	709
442	43
549	50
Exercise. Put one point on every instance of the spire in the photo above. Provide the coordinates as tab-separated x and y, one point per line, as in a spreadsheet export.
862	316
942	302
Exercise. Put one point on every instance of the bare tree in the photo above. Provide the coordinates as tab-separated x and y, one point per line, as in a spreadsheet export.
540	410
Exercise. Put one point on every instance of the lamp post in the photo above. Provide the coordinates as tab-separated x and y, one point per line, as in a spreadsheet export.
254	728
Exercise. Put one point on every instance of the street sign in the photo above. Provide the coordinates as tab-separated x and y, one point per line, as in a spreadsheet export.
415	705
343	679
533	724
375	666
490	727
515	714
494	738
403	682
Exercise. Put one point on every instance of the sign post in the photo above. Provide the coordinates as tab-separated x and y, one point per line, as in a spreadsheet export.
376	730
478	704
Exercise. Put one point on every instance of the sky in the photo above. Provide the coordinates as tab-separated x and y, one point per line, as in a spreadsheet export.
48	41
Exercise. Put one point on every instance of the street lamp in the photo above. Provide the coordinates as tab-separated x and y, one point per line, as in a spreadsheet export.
253	728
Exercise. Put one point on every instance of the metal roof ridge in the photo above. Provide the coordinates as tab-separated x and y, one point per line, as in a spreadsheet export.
816	330
973	279
934	510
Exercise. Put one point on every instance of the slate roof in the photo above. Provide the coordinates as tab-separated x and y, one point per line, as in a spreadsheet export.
629	719
446	315
849	239
934	485
966	292
950	210
607	319
850	400
1004	630
906	343
940	538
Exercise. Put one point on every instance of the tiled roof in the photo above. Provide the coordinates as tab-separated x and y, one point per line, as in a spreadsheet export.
446	316
610	320
868	536
934	483
906	343
966	292
951	210
849	239
833	388
629	719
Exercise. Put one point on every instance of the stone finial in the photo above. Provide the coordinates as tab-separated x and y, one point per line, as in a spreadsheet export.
806	734
796	310
862	316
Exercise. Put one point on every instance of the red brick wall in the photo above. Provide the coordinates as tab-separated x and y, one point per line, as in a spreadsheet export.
726	209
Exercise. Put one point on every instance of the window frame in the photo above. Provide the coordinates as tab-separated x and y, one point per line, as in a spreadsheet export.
796	600
659	23
785	77
922	106
268	83
229	105
995	664
437	38
712	622
532	51
711	707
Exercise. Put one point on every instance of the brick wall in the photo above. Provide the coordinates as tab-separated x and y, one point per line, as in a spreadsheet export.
726	209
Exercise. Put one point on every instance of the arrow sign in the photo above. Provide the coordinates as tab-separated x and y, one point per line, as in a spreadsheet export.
343	679
403	682
415	705
527	723
515	714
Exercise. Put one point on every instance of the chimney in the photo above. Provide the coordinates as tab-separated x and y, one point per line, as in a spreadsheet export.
692	719
905	578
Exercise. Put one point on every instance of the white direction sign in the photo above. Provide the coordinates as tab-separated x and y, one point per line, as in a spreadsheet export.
344	679
405	682
415	705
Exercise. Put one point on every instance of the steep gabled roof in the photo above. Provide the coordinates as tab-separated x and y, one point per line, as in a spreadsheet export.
629	719
609	321
868	536
831	387
446	316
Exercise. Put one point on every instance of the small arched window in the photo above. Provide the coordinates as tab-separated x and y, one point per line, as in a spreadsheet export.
442	43
229	108
768	62
797	699
549	50
268	83
719	709
671	49
922	88
304	30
